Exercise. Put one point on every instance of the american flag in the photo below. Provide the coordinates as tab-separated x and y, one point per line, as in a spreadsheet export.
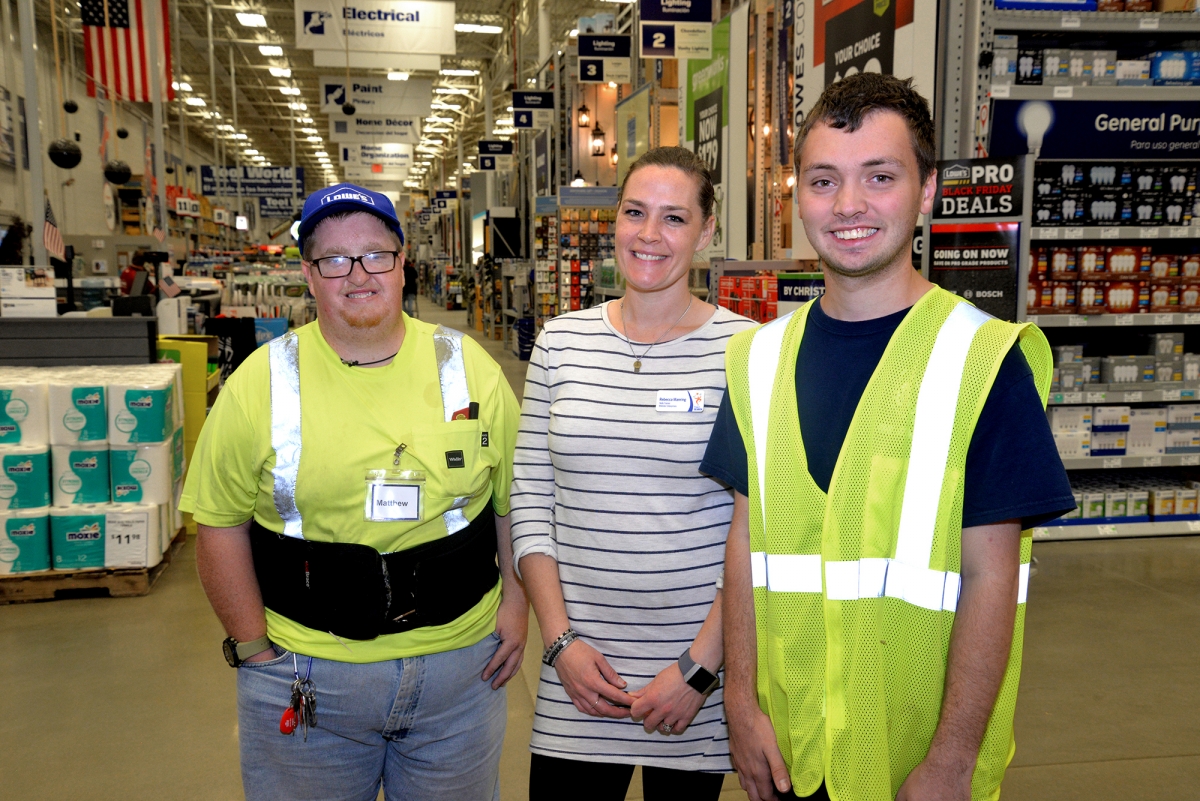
122	48
52	237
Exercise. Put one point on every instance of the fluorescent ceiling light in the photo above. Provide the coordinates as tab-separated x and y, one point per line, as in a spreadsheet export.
309	130
573	33
320	153
504	122
314	139
446	120
451	90
294	91
239	136
252	20
184	85
225	127
504	131
297	107
466	27
306	120
458	72
250	152
397	76
270	50
281	72
450	106
195	101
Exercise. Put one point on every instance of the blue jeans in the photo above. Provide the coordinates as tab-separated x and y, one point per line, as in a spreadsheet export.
410	305
428	727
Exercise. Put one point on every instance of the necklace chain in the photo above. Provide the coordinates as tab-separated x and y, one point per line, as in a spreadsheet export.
637	360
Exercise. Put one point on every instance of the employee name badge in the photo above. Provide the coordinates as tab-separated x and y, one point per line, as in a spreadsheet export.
680	400
394	495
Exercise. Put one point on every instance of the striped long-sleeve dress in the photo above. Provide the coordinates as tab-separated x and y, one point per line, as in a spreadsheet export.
607	484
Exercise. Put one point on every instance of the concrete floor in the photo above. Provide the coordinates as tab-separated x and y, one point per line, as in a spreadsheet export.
130	698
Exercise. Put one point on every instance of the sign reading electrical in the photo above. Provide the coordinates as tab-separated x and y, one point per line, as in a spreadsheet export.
377	26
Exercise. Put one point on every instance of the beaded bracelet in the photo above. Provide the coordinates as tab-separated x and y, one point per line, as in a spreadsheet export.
550	655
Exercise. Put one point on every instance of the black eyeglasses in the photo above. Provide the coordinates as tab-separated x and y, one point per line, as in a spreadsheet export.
381	261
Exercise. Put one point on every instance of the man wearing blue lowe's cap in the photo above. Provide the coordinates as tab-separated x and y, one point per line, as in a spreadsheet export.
351	489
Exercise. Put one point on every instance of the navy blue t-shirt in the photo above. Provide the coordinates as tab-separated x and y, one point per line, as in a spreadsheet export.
1013	468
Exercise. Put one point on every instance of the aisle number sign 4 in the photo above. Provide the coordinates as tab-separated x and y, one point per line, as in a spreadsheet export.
533	109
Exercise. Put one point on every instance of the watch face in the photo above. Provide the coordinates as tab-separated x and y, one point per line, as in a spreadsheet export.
229	646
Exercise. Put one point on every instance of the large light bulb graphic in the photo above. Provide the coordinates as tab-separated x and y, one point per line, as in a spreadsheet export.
1034	119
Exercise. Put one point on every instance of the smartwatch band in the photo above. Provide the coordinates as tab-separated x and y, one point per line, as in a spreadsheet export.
695	674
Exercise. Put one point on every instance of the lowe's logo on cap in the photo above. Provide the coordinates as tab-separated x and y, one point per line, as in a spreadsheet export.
342	195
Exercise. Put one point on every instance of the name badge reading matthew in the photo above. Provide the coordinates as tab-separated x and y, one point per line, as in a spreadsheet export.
680	400
394	495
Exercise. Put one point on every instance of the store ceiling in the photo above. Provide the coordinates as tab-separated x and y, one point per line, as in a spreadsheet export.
264	113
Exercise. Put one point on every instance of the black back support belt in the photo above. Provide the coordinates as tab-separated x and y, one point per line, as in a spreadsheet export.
358	593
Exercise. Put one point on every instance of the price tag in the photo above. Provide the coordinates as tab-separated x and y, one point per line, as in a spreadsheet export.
1152	461
1177	233
1110	232
1149	233
1172	394
1123	319
1041	532
1190	460
1187	393
1112	463
1081	321
1095	397
1106	530
1001	90
1072	233
1072	397
1048	233
1133	397
1070	21
1148	24
1193	525
125	540
1062	92
1191	319
1164	319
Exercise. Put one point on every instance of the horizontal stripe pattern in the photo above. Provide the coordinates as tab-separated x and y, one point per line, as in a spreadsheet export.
610	488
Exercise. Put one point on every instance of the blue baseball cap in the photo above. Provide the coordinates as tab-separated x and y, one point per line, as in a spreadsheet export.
342	198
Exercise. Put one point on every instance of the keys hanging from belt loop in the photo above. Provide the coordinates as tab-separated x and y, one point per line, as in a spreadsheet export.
302	705
399	452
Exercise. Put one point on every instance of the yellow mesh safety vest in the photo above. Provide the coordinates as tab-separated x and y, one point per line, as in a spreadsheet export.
855	591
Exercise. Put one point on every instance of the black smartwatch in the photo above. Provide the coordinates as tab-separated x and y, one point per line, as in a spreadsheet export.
695	675
238	652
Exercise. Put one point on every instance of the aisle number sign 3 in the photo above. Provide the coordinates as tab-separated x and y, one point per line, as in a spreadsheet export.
533	109
605	58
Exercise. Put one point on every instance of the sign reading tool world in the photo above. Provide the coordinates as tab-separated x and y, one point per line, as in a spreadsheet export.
676	28
533	109
376	96
376	26
256	181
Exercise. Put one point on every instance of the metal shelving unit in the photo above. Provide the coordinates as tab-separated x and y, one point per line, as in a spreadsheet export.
1116	231
1016	92
1113	21
1158	394
1125	462
1085	531
1114	320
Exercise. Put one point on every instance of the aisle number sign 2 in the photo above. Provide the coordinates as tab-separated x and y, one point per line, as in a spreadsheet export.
533	109
676	28
605	58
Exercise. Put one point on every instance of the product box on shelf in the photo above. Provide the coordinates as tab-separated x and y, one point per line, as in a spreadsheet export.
1168	368
1067	354
1183	416
1110	443
1133	72
1056	67
1108	206
1126	369
1110	418
1070	418
1166	343
1175	67
1131	260
1029	67
1164	297
1189	265
1139	5
1189	295
1191	367
1069	377
1091	505
1092	371
1064	265
1092	297
1100	67
1147	432
1139	503
1055	297
1004	63
1073	444
1127	297
1185	501
1162	502
26	282
1178	179
1183	441
1164	266
1116	503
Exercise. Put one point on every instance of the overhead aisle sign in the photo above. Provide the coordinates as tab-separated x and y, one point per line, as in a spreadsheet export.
604	58
676	28
495	155
533	109
256	181
277	207
706	127
372	97
376	26
445	200
401	129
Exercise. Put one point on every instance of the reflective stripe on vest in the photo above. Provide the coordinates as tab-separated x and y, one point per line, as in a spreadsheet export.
284	359
907	576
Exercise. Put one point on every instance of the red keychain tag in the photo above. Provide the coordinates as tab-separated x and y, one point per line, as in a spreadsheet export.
288	721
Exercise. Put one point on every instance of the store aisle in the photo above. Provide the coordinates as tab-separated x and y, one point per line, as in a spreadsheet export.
130	698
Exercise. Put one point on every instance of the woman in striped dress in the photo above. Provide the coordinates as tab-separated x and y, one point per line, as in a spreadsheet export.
619	538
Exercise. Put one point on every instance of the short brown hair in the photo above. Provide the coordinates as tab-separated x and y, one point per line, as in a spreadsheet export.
681	159
847	103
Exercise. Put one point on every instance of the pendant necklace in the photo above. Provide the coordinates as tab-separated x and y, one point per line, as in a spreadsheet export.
637	360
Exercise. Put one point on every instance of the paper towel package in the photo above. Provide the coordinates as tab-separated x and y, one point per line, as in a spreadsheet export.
133	535
79	474
142	412
77	536
78	409
24	540
24	476
141	473
24	413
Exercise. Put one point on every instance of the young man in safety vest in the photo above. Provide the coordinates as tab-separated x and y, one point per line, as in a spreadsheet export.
351	487
888	445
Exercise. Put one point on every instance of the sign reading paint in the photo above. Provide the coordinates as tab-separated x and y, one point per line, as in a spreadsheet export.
374	97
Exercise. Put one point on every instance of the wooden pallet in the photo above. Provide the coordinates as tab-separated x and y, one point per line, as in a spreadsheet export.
114	582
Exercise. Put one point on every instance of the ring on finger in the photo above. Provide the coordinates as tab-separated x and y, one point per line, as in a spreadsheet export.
665	728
